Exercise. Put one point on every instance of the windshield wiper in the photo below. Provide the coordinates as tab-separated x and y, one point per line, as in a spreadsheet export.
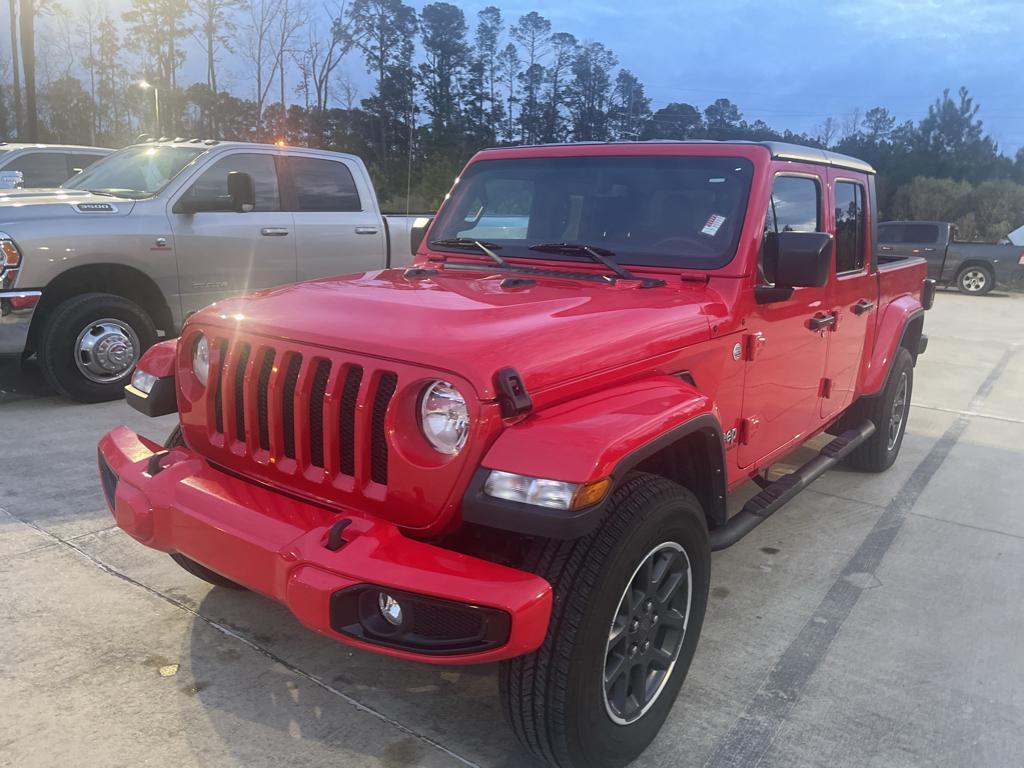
474	245
600	255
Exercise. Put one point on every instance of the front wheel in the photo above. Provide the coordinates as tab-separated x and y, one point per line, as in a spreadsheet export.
629	602
91	343
975	280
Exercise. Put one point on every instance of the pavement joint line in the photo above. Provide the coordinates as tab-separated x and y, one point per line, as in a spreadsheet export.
225	630
959	524
972	414
753	733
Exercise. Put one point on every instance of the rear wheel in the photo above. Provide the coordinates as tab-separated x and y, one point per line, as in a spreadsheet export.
888	412
628	607
175	440
90	344
976	280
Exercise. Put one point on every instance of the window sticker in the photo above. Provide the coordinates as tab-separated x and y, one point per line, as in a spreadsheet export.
713	224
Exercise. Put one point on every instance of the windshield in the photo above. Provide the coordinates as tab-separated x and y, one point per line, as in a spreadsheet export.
653	211
135	172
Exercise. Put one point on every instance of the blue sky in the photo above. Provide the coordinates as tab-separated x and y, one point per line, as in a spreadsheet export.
791	63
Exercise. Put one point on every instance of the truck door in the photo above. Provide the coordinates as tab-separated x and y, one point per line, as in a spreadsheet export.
852	291
338	227
224	253
914	238
785	357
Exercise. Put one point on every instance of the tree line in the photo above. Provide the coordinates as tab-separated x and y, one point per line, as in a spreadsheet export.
442	86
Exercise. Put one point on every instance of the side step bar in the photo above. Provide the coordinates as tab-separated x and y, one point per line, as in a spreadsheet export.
776	494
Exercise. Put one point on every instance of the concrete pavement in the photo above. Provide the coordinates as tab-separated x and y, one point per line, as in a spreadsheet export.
875	621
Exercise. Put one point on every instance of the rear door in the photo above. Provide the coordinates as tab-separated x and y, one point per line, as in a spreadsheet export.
852	292
338	228
224	253
786	358
914	238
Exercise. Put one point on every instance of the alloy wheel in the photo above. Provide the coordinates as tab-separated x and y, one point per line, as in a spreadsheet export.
973	280
898	412
647	632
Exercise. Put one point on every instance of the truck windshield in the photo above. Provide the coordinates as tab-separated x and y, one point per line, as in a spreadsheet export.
649	211
135	172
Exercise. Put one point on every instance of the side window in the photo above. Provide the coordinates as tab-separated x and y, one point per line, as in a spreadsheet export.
41	169
323	185
850	227
890	234
921	233
77	163
795	206
213	183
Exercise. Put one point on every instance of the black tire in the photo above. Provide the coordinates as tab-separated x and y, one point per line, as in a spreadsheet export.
879	451
175	440
975	280
555	698
59	348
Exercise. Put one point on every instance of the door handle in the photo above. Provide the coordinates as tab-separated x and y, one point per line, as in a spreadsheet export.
366	230
885	247
274	231
822	321
863	306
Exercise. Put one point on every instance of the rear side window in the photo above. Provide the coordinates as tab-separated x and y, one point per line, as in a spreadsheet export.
920	233
323	185
850	227
41	169
213	183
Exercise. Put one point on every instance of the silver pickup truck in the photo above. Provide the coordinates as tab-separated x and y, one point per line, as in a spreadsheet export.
93	273
974	268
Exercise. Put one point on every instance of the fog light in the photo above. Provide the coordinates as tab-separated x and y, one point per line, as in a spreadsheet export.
390	609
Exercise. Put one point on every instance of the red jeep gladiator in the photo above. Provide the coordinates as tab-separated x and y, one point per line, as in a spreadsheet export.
519	449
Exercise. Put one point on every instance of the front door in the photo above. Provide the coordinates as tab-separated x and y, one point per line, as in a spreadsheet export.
853	293
785	355
224	253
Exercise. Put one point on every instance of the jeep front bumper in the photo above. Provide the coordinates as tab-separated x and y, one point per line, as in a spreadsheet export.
461	609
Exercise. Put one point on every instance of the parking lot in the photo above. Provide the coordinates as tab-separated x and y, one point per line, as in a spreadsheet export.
875	621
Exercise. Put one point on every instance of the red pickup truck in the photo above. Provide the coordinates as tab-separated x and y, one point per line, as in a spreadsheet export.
519	449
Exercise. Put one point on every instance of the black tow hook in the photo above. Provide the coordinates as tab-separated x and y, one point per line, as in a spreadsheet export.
334	538
153	466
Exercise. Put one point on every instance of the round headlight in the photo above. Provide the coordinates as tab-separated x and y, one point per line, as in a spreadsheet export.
444	417
201	359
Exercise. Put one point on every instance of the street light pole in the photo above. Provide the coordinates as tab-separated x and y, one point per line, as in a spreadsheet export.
144	85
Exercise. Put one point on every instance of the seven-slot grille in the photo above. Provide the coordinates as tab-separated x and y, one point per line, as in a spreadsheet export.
312	407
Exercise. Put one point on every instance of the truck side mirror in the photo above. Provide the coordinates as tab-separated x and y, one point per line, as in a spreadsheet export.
798	259
242	191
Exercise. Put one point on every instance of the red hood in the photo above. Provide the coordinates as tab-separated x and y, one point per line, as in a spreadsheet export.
467	324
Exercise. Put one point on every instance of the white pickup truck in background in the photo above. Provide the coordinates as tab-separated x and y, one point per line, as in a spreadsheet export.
96	271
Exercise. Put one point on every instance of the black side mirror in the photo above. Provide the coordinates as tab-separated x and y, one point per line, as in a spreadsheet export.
242	191
798	259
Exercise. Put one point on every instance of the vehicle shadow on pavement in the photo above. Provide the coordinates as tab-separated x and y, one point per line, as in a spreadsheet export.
456	707
22	380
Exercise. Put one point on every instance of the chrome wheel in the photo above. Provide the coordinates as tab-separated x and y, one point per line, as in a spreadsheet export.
647	632
107	350
899	410
974	280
